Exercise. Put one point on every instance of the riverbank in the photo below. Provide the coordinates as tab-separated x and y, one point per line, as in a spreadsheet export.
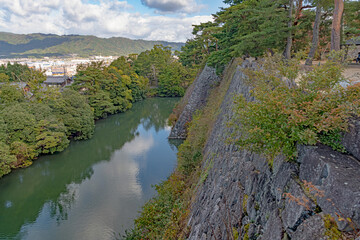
36	121
94	188
220	190
165	216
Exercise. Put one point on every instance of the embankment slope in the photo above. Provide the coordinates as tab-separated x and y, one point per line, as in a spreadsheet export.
243	197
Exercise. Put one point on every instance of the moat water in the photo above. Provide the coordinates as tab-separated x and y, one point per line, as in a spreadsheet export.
95	188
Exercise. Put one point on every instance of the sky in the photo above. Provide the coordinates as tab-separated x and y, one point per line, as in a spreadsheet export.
169	20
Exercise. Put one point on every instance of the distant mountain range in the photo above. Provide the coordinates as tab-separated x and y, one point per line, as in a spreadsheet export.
41	45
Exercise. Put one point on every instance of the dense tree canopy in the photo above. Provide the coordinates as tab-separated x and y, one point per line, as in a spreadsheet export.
351	19
31	128
151	63
108	89
41	120
15	72
253	27
76	114
165	74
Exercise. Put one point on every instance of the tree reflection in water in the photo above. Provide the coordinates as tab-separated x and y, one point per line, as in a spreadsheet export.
53	181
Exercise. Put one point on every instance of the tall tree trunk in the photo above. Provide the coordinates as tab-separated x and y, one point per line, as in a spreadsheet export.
298	11
154	80
336	25
287	52
315	38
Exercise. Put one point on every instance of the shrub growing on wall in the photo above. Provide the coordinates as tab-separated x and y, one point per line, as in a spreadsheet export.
314	109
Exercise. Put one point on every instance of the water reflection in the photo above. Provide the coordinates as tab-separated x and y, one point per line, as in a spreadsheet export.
95	187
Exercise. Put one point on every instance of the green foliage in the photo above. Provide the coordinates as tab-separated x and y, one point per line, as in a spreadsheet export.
89	78
174	80
27	130
138	87
151	63
6	159
246	230
304	25
20	123
351	19
263	26
35	79
204	174
16	72
235	233
284	114
192	54
332	232
107	89
72	109
163	71
110	89
123	64
157	214
10	93
4	78
101	103
232	2
17	79
332	139
30	128
50	136
244	28
196	50
36	120
137	84
3	130
124	89
252	28
190	152
24	152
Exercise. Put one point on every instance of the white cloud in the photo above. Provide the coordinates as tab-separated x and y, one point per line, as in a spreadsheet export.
187	6
106	19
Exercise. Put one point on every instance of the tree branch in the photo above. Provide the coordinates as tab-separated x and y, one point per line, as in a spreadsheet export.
307	6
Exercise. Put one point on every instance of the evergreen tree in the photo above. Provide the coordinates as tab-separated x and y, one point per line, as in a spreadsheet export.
152	62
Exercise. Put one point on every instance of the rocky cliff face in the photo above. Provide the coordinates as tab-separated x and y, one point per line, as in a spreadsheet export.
243	197
200	91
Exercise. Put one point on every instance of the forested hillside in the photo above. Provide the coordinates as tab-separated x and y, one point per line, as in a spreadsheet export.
39	45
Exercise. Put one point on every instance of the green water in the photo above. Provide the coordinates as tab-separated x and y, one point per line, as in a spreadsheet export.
95	188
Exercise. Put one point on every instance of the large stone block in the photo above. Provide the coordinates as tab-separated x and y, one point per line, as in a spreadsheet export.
351	140
338	175
311	229
294	213
273	229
